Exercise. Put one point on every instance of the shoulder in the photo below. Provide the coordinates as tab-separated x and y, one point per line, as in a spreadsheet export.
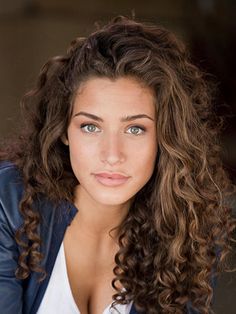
11	190
9	174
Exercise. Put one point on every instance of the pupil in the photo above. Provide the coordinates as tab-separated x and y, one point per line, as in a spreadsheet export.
91	127
135	130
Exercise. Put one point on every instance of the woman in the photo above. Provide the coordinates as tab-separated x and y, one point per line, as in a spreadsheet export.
114	189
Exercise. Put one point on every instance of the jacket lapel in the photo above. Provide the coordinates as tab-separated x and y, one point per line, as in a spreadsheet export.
133	310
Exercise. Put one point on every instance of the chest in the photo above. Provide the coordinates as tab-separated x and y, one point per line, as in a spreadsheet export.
90	272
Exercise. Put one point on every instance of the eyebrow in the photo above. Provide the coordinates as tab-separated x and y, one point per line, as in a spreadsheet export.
123	119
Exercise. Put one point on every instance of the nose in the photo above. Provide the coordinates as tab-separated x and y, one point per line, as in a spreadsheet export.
112	149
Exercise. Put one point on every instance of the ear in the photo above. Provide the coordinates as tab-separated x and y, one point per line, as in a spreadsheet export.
64	140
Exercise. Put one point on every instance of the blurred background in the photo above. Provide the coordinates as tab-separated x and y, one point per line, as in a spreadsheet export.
32	31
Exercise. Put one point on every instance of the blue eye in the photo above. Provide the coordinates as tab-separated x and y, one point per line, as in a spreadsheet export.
89	128
136	130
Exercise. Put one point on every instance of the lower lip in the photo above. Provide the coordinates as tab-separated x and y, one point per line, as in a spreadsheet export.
111	182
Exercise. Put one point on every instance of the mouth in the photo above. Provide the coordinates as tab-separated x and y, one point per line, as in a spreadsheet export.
111	179
111	175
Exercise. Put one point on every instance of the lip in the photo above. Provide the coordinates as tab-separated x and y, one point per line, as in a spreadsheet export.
111	175
111	179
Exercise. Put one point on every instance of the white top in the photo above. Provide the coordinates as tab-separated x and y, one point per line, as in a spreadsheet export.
58	296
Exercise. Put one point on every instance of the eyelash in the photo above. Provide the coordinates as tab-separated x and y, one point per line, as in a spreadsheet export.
143	129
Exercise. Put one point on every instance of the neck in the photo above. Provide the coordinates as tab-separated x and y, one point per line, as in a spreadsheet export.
96	219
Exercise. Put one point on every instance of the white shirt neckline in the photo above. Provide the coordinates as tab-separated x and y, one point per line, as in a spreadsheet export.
68	288
58	294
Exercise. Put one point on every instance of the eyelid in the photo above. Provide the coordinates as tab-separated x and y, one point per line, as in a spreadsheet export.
141	127
82	125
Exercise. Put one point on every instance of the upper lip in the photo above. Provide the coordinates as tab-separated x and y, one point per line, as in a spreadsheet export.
113	175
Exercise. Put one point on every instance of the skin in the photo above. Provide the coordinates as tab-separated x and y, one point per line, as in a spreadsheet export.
112	145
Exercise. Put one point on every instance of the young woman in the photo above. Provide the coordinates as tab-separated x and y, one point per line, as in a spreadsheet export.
113	197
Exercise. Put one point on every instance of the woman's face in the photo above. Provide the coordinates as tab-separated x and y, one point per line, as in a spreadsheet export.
112	133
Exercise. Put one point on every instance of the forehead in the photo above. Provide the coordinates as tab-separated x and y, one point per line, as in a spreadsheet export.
121	94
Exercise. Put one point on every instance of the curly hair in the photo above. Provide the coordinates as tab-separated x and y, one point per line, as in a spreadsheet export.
178	231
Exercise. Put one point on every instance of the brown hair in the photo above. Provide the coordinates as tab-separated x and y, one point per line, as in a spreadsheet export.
178	230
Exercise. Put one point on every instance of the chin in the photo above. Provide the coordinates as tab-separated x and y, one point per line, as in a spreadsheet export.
112	199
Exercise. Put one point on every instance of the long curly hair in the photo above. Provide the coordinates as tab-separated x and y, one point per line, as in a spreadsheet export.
178	231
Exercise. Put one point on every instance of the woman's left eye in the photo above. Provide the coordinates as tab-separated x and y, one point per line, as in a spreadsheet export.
136	130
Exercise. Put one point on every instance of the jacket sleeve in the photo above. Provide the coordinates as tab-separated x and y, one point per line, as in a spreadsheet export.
10	287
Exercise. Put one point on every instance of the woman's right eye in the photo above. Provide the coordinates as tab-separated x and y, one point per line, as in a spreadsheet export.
89	128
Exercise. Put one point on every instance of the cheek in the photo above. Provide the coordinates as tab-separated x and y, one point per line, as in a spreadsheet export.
81	156
144	163
81	150
150	161
146	155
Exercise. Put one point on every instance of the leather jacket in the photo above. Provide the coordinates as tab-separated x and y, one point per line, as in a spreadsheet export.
24	296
